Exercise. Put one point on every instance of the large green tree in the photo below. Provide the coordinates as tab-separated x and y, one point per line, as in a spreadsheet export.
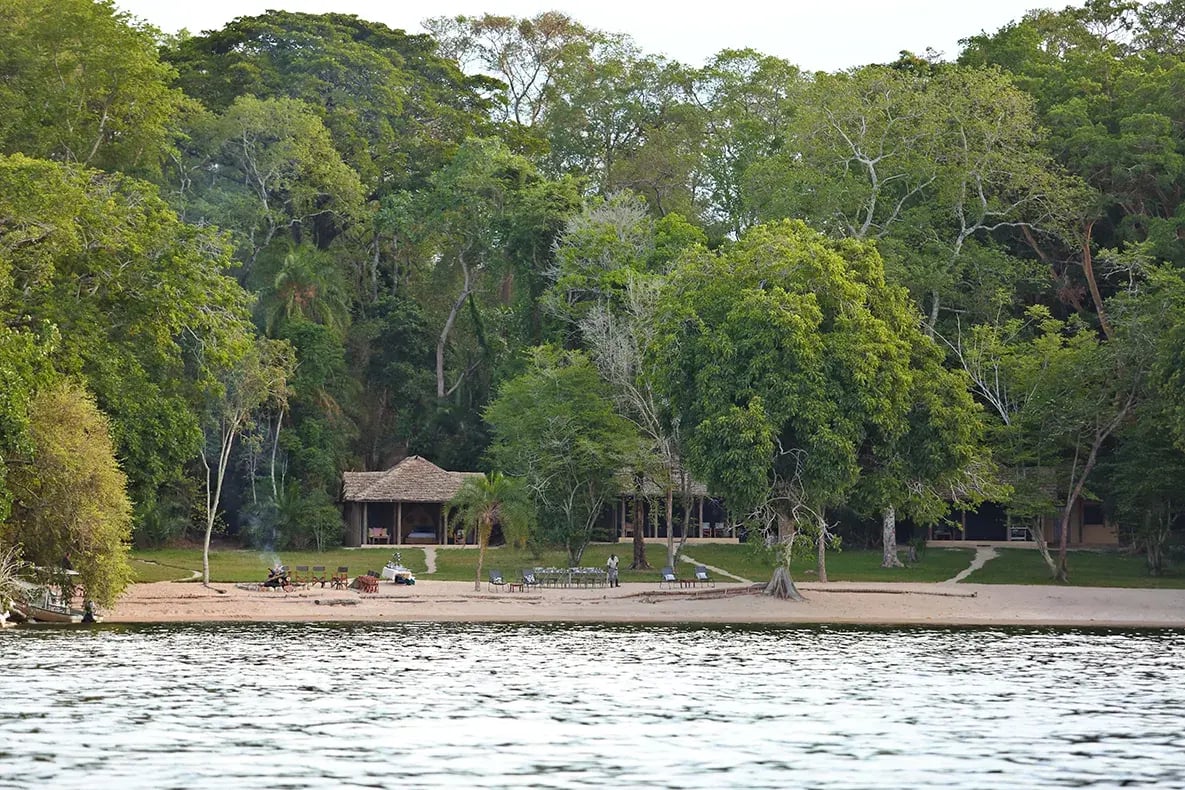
138	303
782	358
554	426
83	83
70	494
393	107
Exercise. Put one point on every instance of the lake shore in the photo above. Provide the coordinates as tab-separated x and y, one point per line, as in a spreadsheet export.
838	602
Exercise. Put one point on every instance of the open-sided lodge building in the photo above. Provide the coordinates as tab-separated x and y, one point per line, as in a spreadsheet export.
407	504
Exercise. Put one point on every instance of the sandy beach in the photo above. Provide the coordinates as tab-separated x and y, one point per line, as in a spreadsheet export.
837	602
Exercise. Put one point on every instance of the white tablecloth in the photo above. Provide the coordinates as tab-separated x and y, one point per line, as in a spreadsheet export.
394	572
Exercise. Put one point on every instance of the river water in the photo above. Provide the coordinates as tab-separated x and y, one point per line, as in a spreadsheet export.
424	705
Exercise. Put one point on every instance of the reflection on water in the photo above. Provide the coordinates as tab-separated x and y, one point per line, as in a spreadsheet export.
326	705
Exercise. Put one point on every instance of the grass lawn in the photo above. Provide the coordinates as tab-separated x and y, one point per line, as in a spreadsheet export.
1087	569
743	560
248	565
848	566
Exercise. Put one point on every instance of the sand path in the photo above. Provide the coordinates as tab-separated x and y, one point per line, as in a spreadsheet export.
715	570
982	555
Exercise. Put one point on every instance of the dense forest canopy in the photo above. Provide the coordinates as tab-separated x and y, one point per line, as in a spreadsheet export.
250	259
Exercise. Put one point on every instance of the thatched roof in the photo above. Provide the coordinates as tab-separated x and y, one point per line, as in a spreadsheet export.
414	479
651	488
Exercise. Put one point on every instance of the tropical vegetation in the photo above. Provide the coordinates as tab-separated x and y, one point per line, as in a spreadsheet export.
234	264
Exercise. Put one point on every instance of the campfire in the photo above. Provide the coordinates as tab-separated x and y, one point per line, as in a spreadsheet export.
277	577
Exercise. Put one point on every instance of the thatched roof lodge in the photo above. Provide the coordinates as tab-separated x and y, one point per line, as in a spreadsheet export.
406	504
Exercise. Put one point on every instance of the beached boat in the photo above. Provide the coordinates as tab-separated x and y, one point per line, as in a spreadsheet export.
45	605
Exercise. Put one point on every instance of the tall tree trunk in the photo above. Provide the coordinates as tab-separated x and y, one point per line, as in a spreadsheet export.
639	563
1101	434
889	538
214	495
670	526
781	584
483	538
448	326
1092	284
1038	530
932	325
821	551
275	445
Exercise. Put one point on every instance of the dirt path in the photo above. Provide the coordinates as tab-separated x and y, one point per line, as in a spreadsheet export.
430	559
715	570
982	555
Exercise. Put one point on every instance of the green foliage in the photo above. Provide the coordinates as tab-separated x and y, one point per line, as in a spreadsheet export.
495	499
84	84
136	300
264	166
70	494
393	107
781	358
554	427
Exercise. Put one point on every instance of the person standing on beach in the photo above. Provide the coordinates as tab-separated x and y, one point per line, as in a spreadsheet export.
612	565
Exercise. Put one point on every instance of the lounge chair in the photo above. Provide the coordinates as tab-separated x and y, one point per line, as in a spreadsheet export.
341	579
496	580
667	576
702	577
529	579
318	576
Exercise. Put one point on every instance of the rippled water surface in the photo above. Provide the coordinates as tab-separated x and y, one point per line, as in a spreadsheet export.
304	705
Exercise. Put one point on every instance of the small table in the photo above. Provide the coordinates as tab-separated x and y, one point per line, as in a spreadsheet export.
397	574
516	586
687	582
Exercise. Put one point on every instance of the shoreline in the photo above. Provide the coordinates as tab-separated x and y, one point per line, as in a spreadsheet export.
839	603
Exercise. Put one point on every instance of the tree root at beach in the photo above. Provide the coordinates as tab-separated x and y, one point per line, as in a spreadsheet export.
782	586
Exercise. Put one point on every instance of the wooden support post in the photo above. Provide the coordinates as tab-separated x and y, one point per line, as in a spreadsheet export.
364	538
399	523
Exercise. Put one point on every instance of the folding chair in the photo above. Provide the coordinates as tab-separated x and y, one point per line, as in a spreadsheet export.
702	577
341	579
318	576
667	576
496	580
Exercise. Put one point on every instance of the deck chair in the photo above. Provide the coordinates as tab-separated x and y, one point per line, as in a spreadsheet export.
341	579
529	579
667	576
300	577
318	576
496	580
702	577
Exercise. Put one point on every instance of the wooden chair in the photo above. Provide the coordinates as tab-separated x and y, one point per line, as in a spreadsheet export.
341	579
368	583
300	577
318	576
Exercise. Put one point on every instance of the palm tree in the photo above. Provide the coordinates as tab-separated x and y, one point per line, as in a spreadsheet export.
494	499
307	285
